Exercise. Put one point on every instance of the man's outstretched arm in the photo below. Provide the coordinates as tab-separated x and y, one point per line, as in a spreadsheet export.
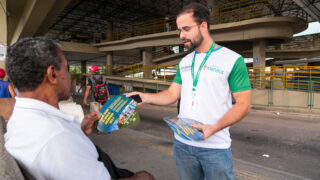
166	97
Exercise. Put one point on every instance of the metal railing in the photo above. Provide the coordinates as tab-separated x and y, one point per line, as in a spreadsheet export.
158	25
159	72
244	9
287	77
274	96
284	77
163	51
279	86
287	86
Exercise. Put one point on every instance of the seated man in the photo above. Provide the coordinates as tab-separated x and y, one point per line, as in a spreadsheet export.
46	142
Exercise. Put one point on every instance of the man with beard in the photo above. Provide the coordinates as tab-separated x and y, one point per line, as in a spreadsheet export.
46	142
205	80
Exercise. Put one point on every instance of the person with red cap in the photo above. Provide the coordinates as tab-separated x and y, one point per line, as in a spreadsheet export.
6	88
98	86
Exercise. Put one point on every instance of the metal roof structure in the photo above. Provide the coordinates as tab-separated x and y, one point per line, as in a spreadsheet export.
82	20
312	7
92	16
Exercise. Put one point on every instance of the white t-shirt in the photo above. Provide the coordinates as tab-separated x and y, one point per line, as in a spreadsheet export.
50	144
223	73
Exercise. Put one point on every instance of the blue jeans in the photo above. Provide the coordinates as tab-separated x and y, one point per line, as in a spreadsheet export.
196	163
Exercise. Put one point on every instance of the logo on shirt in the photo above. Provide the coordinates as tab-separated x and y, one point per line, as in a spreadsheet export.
185	68
213	68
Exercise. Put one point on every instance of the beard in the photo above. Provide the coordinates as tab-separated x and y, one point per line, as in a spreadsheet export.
195	43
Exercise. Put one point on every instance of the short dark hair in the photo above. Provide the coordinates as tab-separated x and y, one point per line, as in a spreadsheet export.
200	12
28	59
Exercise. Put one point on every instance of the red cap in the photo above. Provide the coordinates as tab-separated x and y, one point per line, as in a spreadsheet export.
94	68
2	73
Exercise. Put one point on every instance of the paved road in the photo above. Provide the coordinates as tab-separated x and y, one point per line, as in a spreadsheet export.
291	141
286	142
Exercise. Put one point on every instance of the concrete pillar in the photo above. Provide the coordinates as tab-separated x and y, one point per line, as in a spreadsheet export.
214	11
259	53
109	32
278	46
83	71
109	66
3	32
147	63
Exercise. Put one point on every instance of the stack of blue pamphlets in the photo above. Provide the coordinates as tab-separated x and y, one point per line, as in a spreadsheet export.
183	128
118	112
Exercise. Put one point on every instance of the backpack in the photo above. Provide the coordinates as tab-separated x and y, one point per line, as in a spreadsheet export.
100	90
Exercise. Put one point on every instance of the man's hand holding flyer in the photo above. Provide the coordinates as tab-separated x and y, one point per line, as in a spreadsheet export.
183	127
118	112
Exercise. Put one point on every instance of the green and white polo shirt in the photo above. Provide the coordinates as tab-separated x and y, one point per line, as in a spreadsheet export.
224	73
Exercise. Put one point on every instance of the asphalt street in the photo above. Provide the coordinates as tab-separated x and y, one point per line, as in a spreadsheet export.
266	144
287	142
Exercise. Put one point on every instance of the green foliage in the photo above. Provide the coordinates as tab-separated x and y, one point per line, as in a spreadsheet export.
74	69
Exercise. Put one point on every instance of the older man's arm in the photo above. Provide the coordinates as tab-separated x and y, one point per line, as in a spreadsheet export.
89	122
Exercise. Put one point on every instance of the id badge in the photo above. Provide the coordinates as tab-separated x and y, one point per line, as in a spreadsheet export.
194	100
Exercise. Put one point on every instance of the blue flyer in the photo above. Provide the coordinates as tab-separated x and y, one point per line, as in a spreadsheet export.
118	112
183	128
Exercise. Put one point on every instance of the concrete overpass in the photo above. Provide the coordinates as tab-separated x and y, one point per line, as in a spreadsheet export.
287	53
251	34
271	29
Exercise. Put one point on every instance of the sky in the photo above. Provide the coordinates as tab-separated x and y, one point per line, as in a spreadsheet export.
313	28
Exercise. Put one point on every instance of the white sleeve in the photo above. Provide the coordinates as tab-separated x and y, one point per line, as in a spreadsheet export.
67	156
